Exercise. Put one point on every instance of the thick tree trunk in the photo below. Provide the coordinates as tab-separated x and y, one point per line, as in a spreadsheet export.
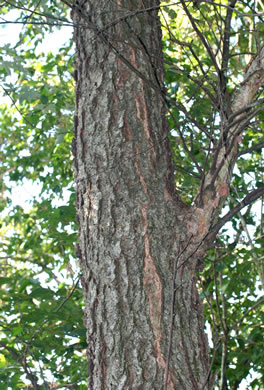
139	244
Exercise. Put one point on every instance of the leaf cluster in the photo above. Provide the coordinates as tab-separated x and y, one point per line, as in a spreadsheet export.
42	337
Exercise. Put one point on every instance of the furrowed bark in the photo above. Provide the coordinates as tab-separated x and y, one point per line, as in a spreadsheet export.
138	243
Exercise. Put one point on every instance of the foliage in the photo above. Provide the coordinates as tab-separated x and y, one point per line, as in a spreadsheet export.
42	335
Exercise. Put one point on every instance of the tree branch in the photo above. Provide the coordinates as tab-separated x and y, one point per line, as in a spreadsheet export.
250	198
201	36
31	377
248	311
252	149
226	43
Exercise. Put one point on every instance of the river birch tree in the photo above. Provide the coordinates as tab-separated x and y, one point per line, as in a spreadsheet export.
168	148
140	244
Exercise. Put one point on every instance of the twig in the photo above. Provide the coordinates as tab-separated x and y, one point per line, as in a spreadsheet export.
234	326
251	197
173	294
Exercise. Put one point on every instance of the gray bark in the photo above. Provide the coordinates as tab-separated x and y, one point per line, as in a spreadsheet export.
139	244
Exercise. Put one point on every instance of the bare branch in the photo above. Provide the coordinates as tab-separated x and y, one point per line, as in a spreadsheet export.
201	36
226	41
244	109
252	149
37	13
23	363
234	326
250	198
199	83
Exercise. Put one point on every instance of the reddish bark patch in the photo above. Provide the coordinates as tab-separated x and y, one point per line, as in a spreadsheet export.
141	177
167	194
153	287
223	190
127	131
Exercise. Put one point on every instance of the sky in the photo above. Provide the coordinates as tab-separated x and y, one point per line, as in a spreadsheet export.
23	193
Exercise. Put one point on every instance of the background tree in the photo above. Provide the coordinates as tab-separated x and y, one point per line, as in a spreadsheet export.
145	238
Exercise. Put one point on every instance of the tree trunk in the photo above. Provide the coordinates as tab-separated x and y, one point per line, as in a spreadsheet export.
139	244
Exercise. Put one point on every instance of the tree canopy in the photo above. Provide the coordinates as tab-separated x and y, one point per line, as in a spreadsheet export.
208	47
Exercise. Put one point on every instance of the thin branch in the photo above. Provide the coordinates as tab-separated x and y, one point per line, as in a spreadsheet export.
172	312
38	23
226	42
197	82
201	36
35	12
241	127
182	108
231	146
251	197
215	342
234	326
244	109
252	149
225	337
27	370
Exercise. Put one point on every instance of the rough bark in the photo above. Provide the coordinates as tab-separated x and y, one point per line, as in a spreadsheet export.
139	244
